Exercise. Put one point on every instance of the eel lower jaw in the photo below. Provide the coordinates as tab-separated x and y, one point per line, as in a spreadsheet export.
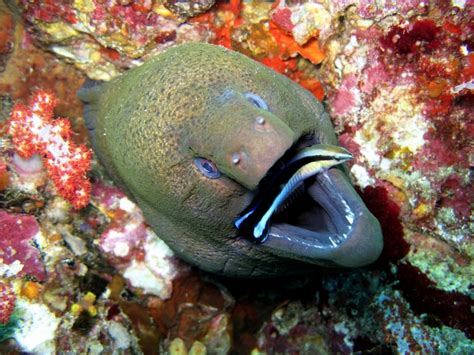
335	228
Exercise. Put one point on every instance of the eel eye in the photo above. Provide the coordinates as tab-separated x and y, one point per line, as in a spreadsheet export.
207	168
256	100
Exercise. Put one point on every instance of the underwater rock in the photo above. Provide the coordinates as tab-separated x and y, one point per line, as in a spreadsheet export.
293	327
196	311
188	8
29	68
36	330
7	40
322	19
393	97
357	312
104	37
392	94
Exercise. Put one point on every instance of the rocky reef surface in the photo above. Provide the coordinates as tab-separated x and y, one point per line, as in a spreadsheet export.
89	275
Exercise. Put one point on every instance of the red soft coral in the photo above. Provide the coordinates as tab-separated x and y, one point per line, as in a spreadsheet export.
35	131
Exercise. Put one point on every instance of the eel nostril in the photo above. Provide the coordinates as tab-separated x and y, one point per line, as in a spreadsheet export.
235	158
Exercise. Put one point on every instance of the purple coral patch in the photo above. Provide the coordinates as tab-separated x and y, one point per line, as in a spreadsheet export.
16	245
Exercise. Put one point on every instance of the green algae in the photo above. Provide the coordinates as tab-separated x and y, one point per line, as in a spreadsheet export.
7	330
444	270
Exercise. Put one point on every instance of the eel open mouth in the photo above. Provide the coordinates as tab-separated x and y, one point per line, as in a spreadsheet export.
309	211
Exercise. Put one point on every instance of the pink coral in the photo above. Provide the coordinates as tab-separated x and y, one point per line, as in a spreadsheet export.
131	246
49	10
282	17
346	98
34	131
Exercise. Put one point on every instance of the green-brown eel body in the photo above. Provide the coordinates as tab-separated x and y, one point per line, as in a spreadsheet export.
191	136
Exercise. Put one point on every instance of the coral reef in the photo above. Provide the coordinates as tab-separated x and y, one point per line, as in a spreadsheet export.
397	106
397	78
187	9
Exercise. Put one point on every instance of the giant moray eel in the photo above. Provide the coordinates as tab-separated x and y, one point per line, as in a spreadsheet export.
207	141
